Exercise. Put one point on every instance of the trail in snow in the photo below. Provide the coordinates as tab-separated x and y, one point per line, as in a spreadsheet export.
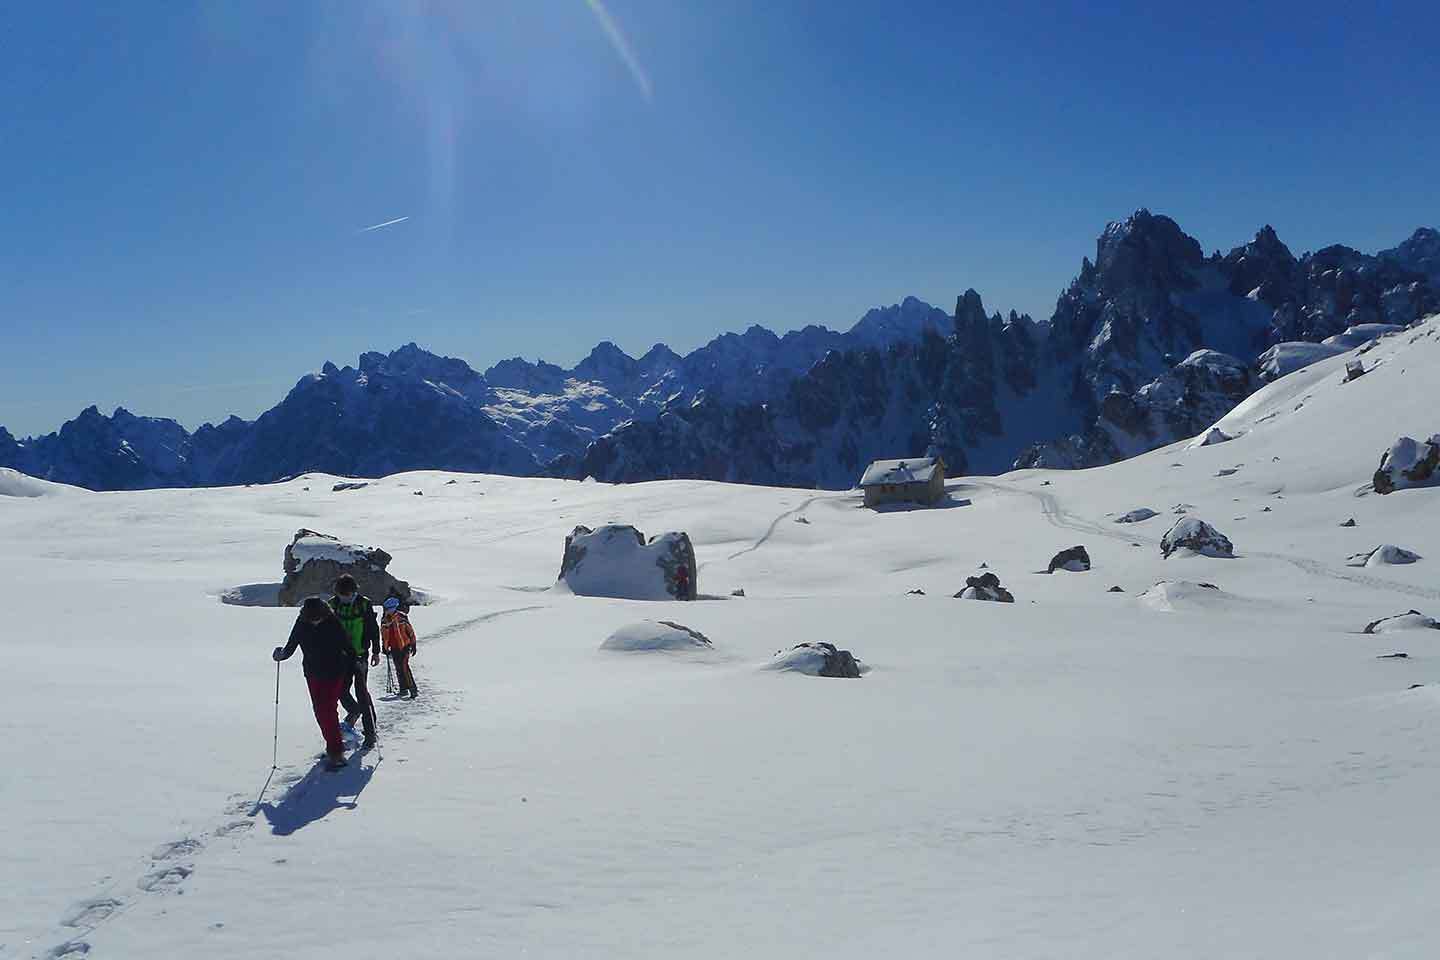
173	862
1058	516
774	525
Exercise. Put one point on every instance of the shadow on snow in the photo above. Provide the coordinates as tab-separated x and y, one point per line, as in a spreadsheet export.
316	795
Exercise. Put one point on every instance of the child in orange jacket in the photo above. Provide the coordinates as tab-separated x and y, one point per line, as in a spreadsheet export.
398	639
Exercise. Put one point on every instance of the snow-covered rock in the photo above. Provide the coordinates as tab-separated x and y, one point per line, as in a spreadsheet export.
656	635
818	659
1074	559
1285	358
1383	555
1138	515
618	561
1414	620
13	483
314	561
1195	535
1409	463
1171	596
1209	438
985	587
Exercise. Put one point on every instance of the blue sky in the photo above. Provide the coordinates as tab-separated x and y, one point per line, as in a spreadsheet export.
185	185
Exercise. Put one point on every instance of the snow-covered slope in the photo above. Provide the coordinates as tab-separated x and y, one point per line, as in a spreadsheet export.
1173	772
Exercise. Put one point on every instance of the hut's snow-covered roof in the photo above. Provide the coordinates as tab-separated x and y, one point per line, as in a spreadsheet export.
913	470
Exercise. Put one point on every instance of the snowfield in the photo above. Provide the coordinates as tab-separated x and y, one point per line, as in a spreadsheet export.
1159	772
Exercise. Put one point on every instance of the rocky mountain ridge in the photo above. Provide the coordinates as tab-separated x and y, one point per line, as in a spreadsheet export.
1151	341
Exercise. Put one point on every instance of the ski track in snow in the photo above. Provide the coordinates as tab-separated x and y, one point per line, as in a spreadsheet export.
1059	517
774	525
171	863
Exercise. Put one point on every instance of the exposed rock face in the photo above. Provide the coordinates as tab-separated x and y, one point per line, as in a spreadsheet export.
314	561
1075	559
1409	463
1182	402
1138	515
985	587
1383	555
818	659
617	561
1414	620
1192	533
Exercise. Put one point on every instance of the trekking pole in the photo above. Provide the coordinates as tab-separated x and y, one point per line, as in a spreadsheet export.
275	739
389	682
274	745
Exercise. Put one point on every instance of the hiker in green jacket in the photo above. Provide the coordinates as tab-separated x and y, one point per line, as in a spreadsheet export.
357	616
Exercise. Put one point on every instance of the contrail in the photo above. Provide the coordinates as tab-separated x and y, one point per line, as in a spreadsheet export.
387	223
621	45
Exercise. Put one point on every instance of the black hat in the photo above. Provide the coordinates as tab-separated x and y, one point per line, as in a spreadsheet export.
346	584
313	610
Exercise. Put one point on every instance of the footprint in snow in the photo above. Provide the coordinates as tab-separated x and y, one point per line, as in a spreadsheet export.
234	827
176	848
90	913
164	878
68	950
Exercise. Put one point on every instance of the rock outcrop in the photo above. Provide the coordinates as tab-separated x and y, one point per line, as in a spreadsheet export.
618	561
1194	534
1383	555
1414	620
985	587
1138	515
1074	559
1409	463
818	659
313	562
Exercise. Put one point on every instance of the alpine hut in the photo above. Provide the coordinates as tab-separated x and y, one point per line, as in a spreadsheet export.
919	480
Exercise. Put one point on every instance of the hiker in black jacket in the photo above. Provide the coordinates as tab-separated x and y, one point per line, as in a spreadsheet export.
329	663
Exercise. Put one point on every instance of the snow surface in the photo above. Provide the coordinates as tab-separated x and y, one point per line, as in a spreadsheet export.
1077	774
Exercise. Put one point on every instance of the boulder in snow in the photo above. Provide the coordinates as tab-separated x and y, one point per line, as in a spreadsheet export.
1414	620
1194	534
349	485
985	587
1074	559
1209	438
656	635
1383	555
1348	523
1138	515
1409	463
618	561
313	561
817	659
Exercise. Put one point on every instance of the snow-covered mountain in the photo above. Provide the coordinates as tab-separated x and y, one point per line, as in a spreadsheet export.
1182	756
411	409
1151	340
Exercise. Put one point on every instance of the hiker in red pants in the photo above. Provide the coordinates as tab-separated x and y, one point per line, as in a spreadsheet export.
329	662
